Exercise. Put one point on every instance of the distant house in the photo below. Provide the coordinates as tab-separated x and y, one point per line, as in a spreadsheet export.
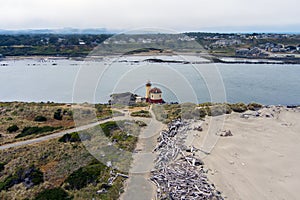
254	52
139	99
242	52
81	42
126	98
291	48
227	42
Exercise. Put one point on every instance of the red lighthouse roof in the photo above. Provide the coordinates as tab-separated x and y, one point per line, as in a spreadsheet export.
155	90
148	83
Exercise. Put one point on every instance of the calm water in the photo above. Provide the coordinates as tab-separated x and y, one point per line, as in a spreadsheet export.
74	81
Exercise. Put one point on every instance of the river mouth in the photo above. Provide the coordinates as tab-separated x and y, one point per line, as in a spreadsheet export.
33	81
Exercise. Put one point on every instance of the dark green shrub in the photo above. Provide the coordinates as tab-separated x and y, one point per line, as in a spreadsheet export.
176	112
108	127
141	113
85	175
238	107
228	108
205	104
141	123
125	141
164	116
53	194
36	176
221	109
12	129
36	130
30	177
8	182
254	106
70	137
2	167
40	119
199	113
208	110
58	114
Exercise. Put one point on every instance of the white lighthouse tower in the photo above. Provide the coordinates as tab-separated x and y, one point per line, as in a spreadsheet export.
148	88
153	95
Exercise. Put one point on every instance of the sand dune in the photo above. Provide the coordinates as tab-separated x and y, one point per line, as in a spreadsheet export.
262	158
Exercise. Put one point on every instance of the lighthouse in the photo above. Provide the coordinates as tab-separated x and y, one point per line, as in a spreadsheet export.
148	88
153	95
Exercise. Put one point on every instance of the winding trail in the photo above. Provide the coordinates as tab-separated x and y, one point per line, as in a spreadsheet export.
56	135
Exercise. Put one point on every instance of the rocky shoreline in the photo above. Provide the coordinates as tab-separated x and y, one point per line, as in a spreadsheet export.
207	59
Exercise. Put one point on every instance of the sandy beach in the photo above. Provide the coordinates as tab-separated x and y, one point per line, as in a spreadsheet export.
261	159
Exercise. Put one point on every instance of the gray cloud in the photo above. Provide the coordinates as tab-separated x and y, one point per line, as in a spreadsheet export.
120	14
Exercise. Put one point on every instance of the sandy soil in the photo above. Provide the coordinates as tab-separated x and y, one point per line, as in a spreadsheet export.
262	158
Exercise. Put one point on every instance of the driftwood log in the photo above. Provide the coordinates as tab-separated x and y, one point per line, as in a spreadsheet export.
178	174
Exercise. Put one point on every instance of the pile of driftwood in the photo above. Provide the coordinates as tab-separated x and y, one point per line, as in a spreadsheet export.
178	174
110	182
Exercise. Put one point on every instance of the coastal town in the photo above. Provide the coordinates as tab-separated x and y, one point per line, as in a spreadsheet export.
254	45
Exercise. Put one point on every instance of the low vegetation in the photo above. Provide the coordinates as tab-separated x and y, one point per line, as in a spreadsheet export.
36	130
123	133
141	123
58	114
2	166
217	110
70	137
29	177
239	107
51	45
168	112
54	193
109	127
93	173
15	116
75	137
64	169
254	106
40	119
12	129
141	113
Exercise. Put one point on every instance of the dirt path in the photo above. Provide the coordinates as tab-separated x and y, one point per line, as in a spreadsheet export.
138	186
56	135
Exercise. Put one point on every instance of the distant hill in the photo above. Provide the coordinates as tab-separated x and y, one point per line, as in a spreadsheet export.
93	31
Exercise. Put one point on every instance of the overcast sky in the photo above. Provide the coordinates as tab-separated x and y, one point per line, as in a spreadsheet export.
179	15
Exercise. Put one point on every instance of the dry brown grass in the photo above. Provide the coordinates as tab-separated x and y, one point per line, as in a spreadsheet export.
55	159
23	114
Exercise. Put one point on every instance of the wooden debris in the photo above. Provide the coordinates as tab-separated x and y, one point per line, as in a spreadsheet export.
198	128
179	175
226	133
